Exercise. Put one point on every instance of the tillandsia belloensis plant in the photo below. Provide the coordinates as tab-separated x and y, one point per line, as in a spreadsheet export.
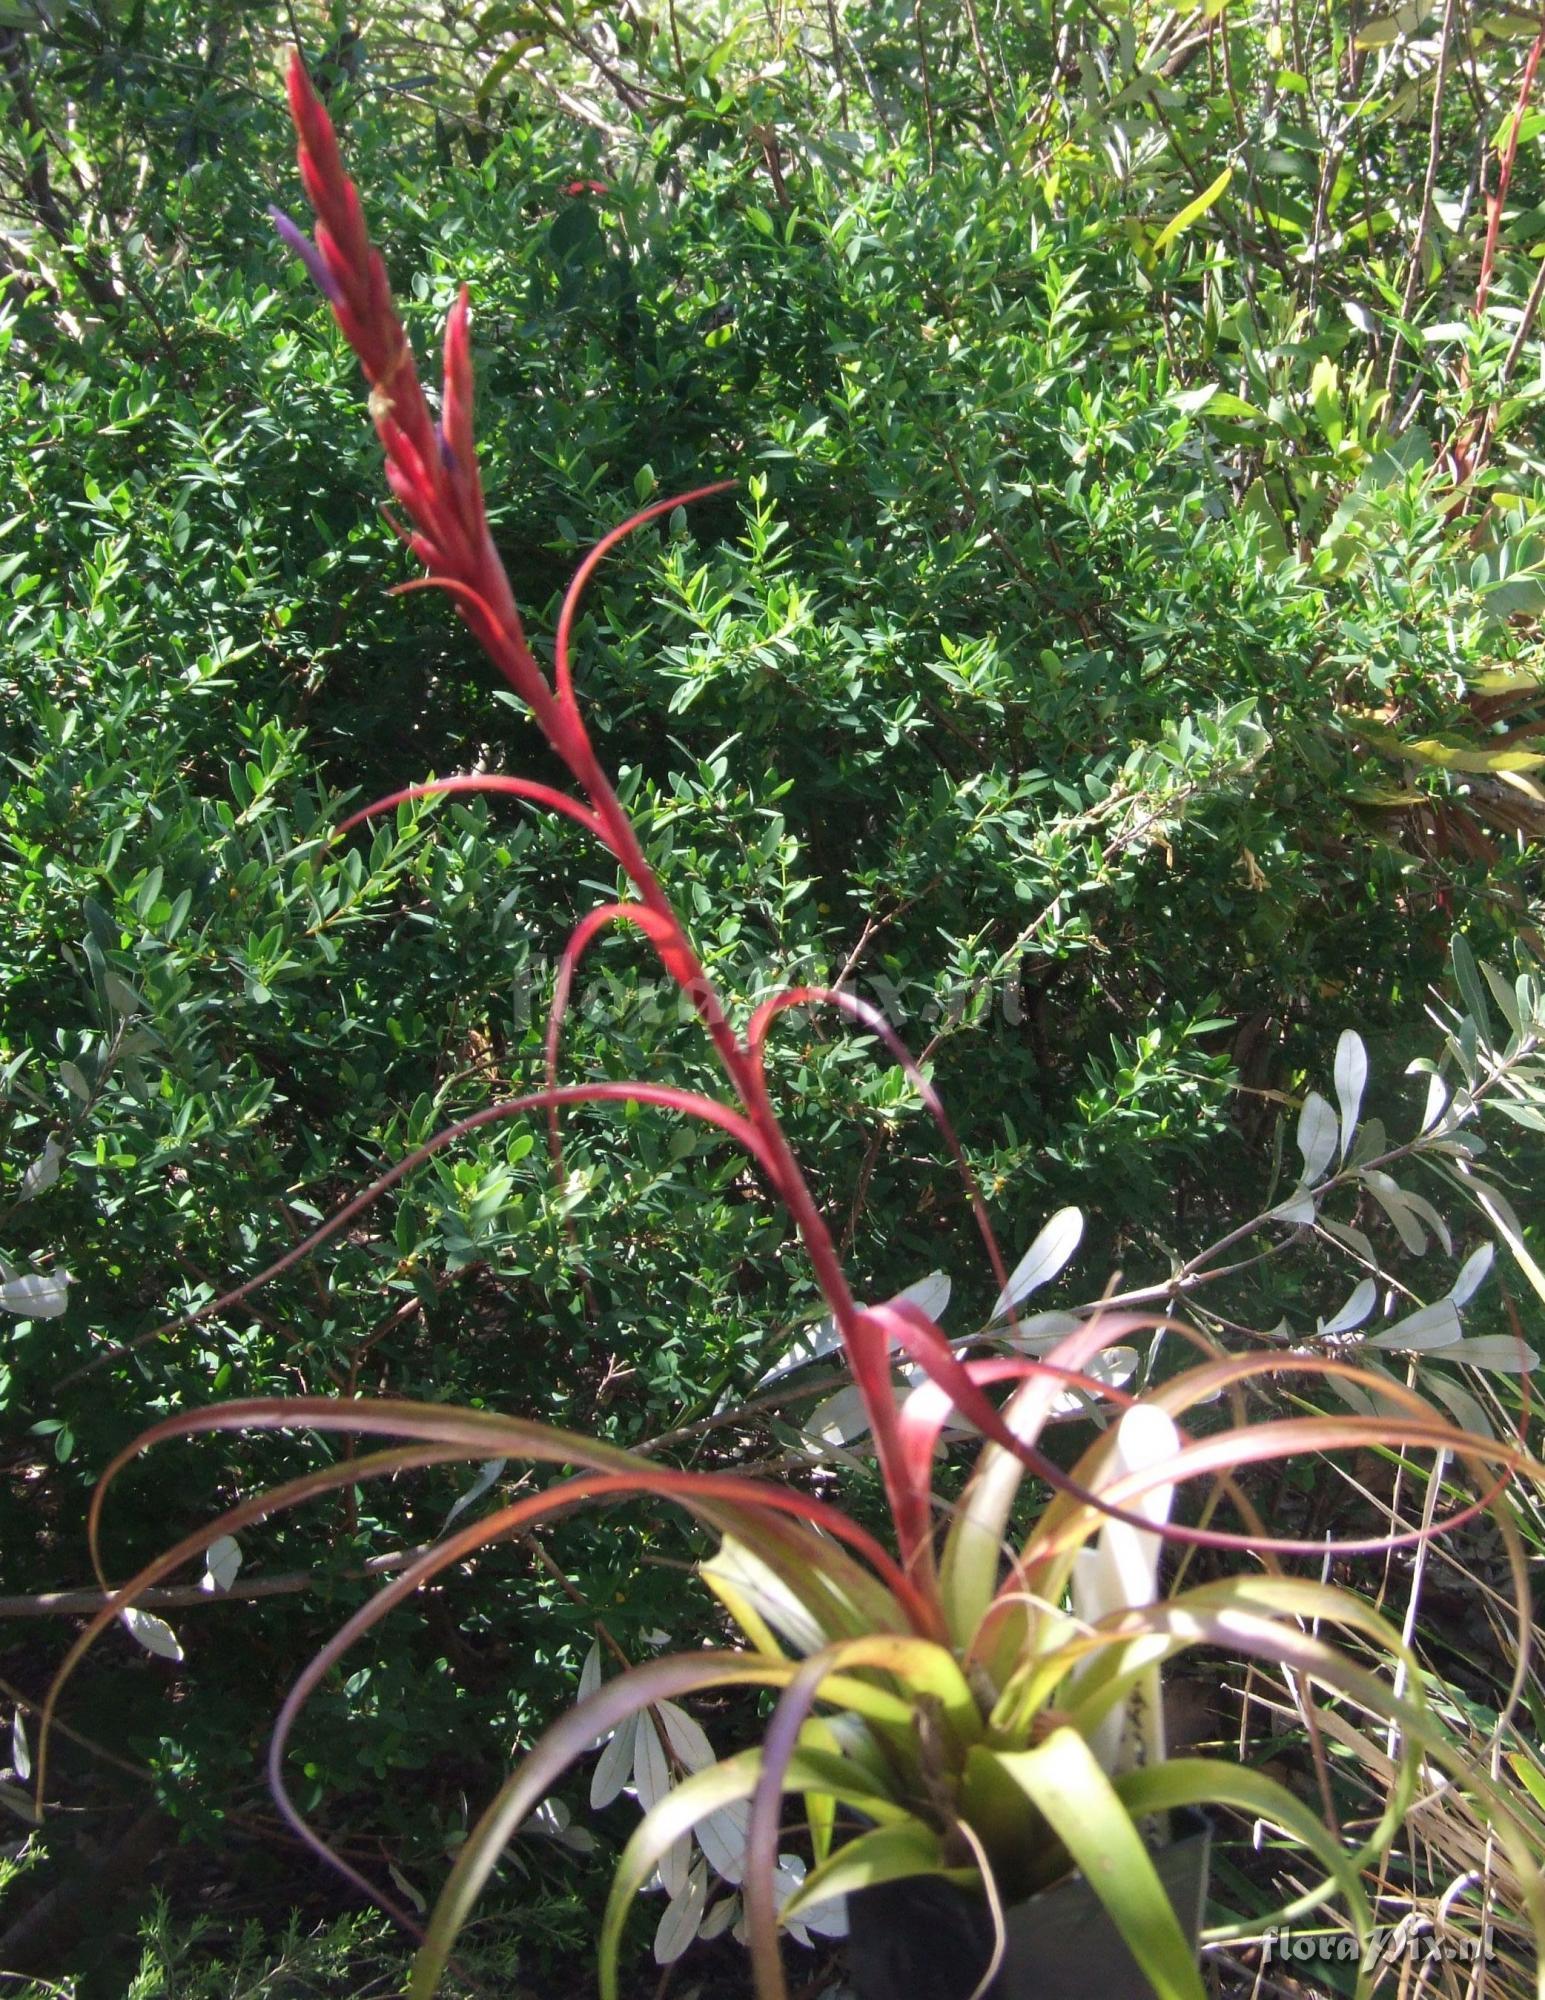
968	1702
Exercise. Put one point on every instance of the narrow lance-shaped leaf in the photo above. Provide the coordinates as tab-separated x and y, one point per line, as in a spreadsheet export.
1058	1239
1356	1309
1351	1078
1192	212
1317	1131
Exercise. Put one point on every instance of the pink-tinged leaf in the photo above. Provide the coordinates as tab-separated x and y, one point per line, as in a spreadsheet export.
575	593
515	788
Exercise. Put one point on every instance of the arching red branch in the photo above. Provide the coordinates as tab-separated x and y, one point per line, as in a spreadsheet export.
528	789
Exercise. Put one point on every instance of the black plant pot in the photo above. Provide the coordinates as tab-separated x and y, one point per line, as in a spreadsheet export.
927	1940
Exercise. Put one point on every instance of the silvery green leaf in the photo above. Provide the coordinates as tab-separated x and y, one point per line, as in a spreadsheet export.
1355	1311
840	1419
1298	1209
1499	1352
73	1081
1354	1239
21	1749
1114	1367
1437	1099
931	1294
720	1917
406	1889
723	1836
816	1341
1059	1238
1472	1273
489	1475
1459	1402
36	1294
676	1865
682	1918
1504	995
1371	1143
1040	1332
153	1633
1421	1206
1354	1395
614	1766
651	1770
1317	1129
688	1744
1436	1325
590	1672
1392	1198
44	1171
222	1561
1351	1078
1470	988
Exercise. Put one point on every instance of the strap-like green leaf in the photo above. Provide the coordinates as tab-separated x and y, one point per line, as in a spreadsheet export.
1062	1778
886	1854
815	1772
1206	1781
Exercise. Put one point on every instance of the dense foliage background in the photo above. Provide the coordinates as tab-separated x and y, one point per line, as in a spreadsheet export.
1118	660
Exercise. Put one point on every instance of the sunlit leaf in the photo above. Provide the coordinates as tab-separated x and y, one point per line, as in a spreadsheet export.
1436	1325
153	1633
488	1476
1061	1779
1473	1273
682	1918
222	1562
651	1771
1351	1078
44	1170
1498	1352
1192	212
1058	1239
615	1766
36	1294
1356	1309
1317	1131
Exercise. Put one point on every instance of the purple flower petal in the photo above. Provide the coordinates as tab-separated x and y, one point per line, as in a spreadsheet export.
296	240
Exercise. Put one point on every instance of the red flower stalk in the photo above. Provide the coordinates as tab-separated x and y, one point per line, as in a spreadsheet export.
432	471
